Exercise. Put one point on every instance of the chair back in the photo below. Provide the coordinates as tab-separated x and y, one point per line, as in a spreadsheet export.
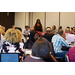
9	57
52	49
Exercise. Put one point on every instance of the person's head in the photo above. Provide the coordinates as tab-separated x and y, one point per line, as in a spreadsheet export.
18	28
68	27
48	30
26	27
13	26
2	27
13	36
67	30
74	30
41	48
60	32
38	27
71	30
38	21
53	27
60	27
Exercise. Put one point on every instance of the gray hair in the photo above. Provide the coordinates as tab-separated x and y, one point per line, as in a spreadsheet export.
41	48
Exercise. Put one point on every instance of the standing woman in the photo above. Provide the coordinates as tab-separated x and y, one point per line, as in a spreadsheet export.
36	32
38	21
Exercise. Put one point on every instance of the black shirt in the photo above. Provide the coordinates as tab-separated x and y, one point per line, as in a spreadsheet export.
48	36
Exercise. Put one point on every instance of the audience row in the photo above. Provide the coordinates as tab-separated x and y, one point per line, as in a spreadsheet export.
15	40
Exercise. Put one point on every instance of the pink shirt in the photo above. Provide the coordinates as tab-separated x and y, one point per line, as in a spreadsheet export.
71	54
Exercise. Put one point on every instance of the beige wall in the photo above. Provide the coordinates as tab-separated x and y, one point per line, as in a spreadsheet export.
52	18
67	19
21	19
27	18
38	15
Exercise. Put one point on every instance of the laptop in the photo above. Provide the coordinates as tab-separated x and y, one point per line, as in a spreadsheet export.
9	57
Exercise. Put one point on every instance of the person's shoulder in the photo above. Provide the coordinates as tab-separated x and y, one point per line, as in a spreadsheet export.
21	43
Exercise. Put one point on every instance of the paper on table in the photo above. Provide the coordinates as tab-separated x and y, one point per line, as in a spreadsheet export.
28	51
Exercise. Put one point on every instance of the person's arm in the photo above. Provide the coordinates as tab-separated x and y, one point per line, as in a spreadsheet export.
64	42
53	59
64	36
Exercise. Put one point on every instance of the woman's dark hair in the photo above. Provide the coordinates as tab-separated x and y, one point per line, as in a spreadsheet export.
38	27
37	21
27	26
60	27
18	28
54	27
68	27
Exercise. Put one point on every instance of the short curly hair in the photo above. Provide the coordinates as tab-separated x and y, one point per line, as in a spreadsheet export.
13	36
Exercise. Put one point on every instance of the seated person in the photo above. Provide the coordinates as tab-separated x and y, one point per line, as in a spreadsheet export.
58	41
71	54
13	43
2	30
26	31
73	30
54	31
69	37
45	31
60	27
2	27
41	50
13	26
28	44
2	38
69	29
48	35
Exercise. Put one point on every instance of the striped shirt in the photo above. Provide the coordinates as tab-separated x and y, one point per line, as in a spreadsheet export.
58	41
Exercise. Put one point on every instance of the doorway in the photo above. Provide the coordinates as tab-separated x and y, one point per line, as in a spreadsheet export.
7	19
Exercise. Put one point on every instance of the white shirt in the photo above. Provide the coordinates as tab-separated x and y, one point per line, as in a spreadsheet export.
2	40
25	32
34	57
70	37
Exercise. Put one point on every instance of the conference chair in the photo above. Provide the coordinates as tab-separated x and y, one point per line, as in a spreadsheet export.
9	57
67	58
59	59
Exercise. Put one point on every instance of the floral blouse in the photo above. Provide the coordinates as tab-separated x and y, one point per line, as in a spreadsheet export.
13	48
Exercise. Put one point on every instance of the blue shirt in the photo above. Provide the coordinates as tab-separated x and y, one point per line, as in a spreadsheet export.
58	41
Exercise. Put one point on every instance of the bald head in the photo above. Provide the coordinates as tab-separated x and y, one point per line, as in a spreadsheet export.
60	31
67	30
